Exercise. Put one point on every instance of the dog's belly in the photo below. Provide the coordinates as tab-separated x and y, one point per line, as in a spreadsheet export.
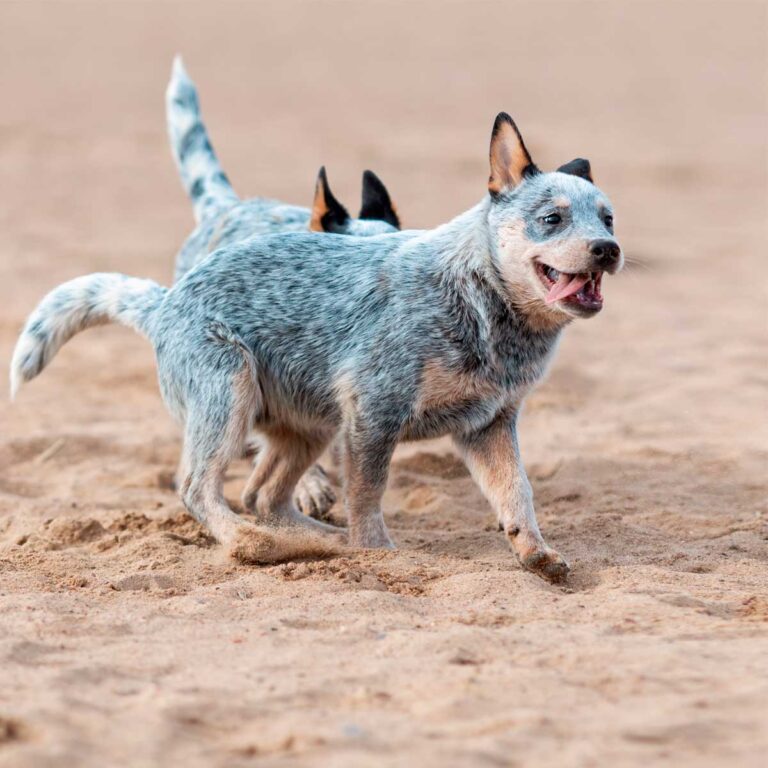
302	409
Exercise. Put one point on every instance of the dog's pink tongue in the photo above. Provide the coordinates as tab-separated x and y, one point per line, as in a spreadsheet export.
566	285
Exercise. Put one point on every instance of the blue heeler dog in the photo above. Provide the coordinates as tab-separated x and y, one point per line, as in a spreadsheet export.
224	219
395	337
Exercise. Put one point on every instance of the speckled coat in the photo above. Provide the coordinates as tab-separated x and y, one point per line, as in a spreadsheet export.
393	337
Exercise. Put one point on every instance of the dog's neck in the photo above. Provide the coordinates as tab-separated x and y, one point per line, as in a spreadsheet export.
464	248
463	244
498	338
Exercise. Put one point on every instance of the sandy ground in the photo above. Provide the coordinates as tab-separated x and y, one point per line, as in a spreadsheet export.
127	639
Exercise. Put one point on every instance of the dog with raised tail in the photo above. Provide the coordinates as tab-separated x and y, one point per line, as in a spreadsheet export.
224	219
395	337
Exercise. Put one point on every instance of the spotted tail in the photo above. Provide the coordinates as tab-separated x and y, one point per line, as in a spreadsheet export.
203	178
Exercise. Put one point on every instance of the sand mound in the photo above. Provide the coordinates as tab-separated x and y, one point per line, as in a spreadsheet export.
262	546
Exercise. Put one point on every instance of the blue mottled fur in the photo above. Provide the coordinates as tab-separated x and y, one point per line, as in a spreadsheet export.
222	218
258	216
394	337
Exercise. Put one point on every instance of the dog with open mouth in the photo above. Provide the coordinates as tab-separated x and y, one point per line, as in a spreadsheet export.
401	336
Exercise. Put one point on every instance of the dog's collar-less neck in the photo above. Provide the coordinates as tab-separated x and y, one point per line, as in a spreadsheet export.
496	338
463	243
465	250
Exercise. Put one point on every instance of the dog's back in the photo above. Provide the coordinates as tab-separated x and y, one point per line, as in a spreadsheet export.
307	306
325	315
248	218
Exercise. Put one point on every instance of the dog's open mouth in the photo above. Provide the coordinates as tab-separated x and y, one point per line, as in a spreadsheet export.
582	288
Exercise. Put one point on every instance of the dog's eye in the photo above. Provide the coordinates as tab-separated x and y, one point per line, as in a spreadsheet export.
552	218
608	221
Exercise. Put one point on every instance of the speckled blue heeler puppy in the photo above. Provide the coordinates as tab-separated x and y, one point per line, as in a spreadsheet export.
224	219
396	337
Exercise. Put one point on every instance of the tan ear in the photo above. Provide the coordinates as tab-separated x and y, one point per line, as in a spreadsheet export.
328	214
510	161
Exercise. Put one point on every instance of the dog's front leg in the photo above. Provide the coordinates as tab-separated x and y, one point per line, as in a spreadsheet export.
367	451
493	458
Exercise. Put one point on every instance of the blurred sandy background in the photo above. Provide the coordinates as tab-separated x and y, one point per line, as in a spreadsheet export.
126	640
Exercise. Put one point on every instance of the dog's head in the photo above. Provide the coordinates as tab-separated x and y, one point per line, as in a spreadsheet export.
551	233
377	214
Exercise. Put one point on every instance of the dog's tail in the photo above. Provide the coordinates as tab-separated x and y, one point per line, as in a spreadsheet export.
203	178
79	304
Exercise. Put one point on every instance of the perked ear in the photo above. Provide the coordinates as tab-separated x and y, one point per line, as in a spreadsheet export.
376	201
328	214
578	167
510	161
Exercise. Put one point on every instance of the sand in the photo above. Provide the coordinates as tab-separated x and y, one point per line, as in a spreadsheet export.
127	638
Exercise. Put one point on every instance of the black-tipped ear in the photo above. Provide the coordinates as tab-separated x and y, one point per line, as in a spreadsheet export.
510	161
328	214
578	167
376	201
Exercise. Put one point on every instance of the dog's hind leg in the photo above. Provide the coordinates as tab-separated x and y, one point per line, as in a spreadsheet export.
221	400
267	459
214	435
270	490
314	494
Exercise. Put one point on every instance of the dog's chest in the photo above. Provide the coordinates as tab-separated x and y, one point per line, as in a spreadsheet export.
450	399
444	386
451	396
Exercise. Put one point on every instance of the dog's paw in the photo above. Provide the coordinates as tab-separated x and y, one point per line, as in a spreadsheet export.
314	495
371	538
548	564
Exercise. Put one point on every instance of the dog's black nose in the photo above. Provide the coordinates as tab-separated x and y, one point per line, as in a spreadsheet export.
606	253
